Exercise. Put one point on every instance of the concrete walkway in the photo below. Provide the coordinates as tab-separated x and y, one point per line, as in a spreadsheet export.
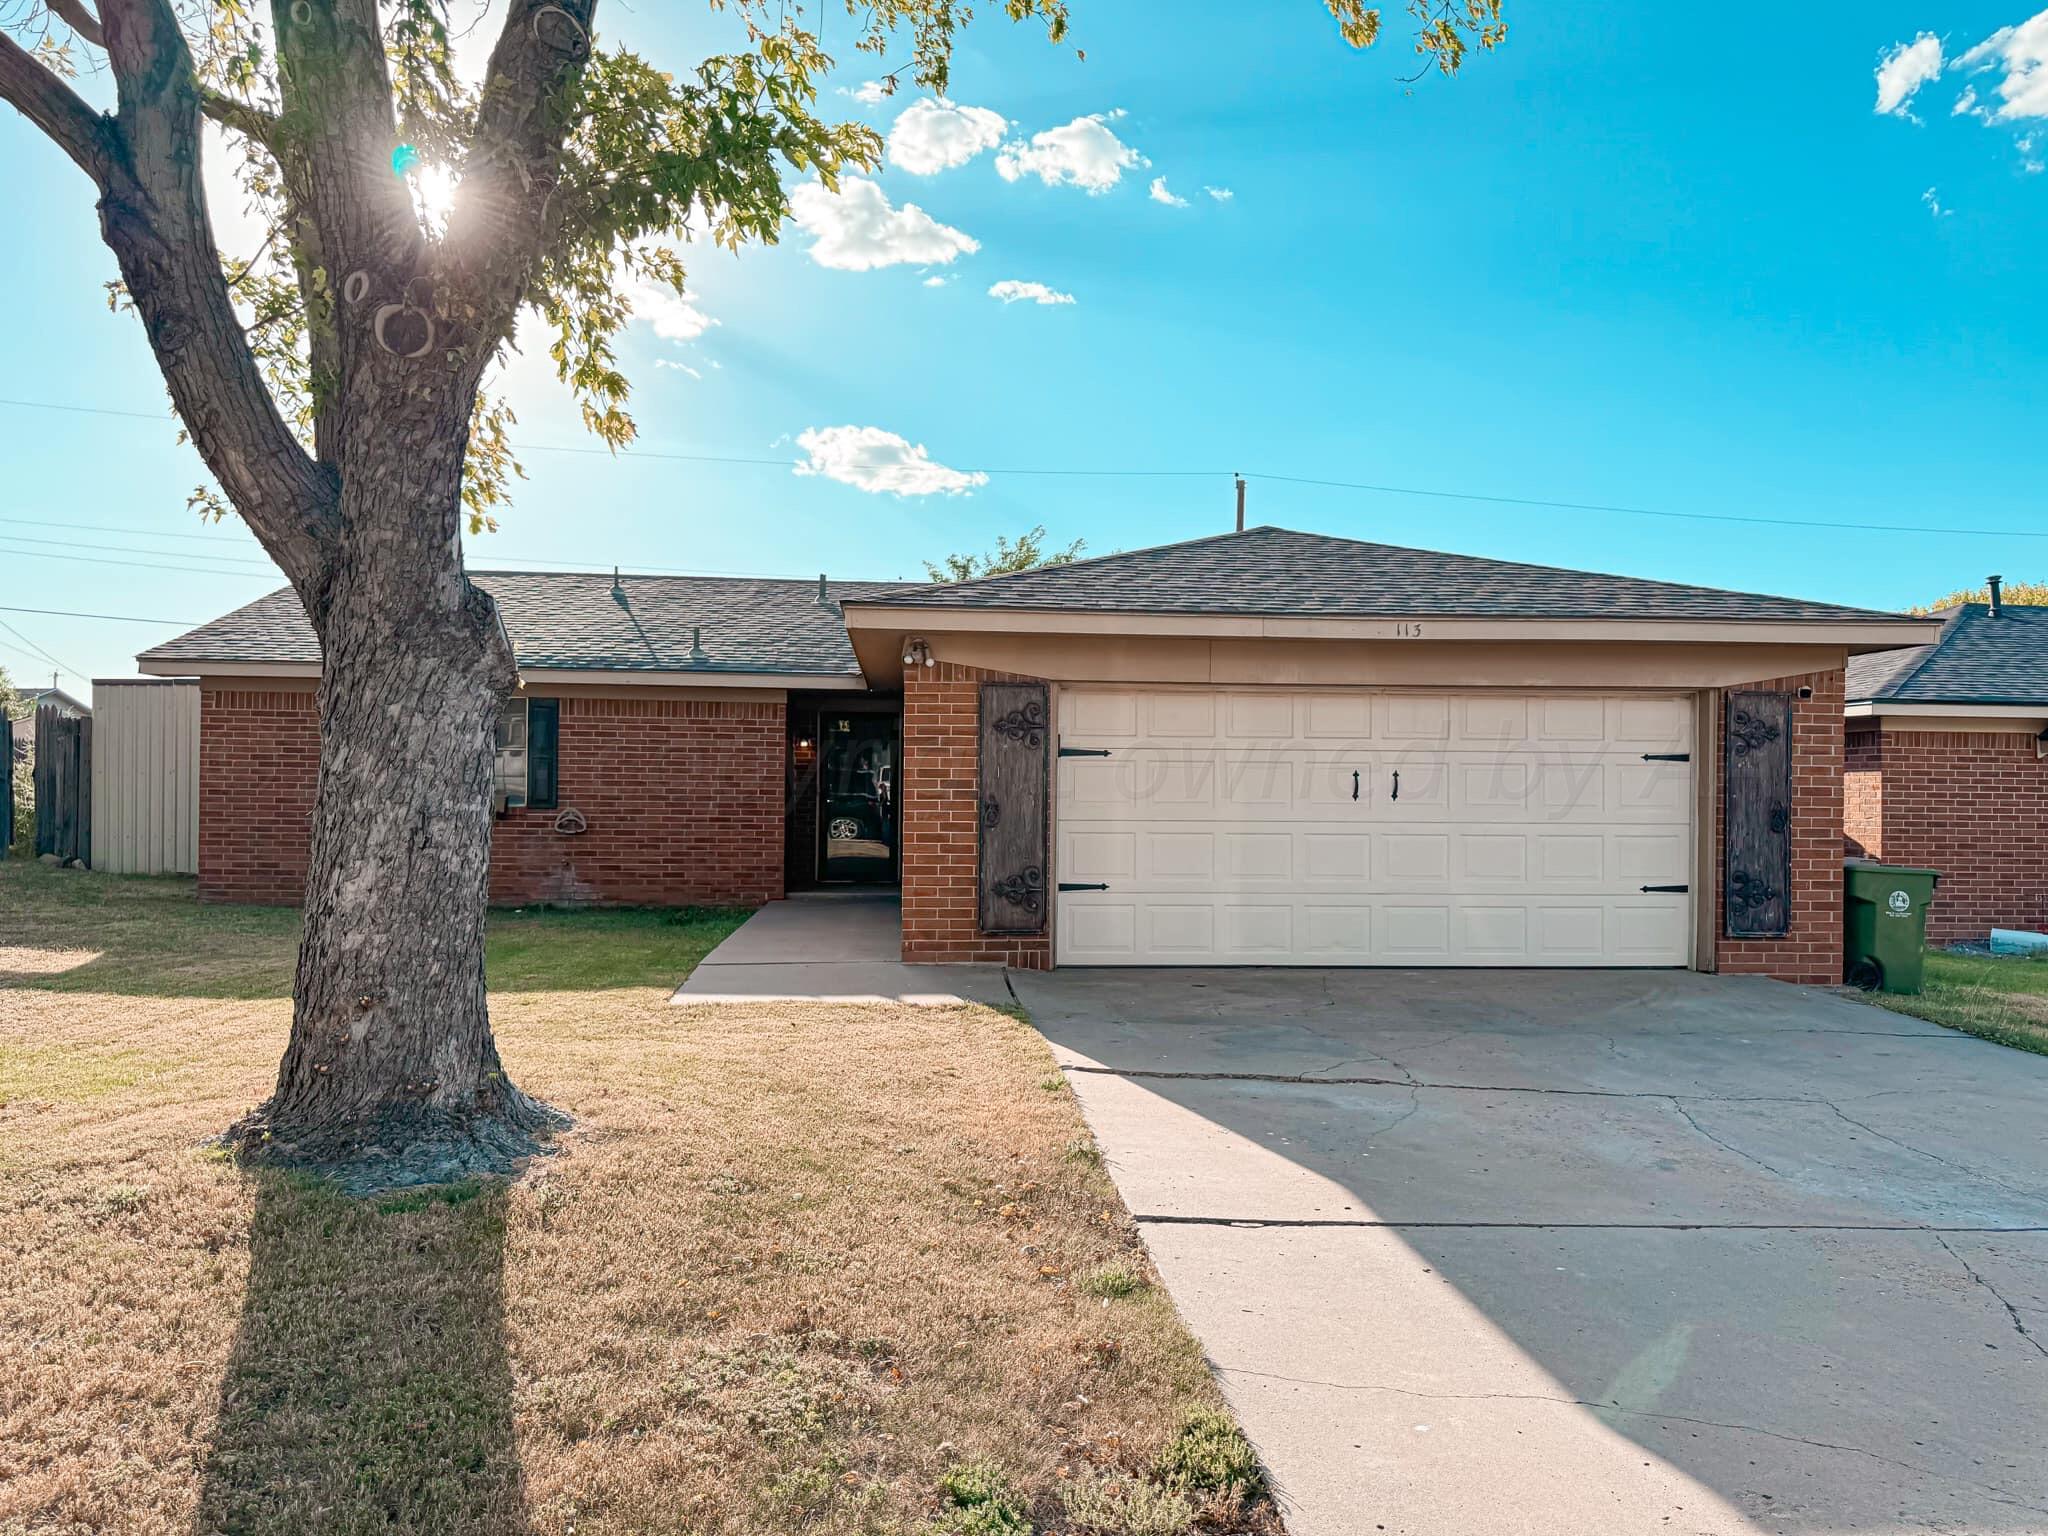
832	947
1554	1253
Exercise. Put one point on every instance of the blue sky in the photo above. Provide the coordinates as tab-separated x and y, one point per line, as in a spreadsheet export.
1642	256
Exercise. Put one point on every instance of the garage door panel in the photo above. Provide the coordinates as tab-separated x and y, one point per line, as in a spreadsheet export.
1335	716
1178	928
1650	724
1261	826
1467	930
1410	859
1414	933
1187	856
1099	855
1336	935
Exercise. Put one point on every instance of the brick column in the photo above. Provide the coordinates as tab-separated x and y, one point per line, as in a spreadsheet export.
941	759
1811	950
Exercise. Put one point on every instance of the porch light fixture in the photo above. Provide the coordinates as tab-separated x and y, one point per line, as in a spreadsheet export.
919	654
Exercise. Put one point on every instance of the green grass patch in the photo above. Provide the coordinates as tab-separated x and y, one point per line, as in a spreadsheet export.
2000	998
148	936
1211	1455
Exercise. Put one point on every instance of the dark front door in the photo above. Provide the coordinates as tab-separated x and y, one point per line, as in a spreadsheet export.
856	796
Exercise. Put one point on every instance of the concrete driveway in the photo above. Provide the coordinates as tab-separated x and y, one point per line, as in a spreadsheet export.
1587	1252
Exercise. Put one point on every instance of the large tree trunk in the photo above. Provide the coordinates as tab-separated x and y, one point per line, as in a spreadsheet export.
391	1076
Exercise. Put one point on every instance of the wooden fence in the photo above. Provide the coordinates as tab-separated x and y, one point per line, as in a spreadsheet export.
63	783
7	772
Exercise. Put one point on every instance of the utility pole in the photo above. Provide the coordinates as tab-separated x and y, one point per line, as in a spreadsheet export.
1240	503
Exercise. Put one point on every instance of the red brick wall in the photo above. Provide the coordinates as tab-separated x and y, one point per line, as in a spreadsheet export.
1973	805
259	761
940	815
684	799
1862	794
1811	951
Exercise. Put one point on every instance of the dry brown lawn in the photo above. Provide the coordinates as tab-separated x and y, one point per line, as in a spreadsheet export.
793	1265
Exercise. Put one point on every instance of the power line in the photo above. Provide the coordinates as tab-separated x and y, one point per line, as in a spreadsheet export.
1204	474
117	618
183	570
147	533
1585	506
16	538
52	660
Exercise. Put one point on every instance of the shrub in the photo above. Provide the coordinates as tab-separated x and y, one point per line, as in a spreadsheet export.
984	1504
1117	1278
1211	1455
1116	1505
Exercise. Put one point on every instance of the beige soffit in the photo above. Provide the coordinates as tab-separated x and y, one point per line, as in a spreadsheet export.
1857	634
546	677
1949	711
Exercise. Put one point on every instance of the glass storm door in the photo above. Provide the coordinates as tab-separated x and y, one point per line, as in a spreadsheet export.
856	796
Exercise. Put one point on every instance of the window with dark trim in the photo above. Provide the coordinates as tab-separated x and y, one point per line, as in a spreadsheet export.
543	752
526	755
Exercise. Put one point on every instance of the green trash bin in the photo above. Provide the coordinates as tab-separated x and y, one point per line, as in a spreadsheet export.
1884	924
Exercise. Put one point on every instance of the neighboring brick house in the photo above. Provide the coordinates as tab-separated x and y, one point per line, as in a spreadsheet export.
1263	748
1947	766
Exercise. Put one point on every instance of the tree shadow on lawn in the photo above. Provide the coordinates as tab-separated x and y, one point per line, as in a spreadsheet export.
149	936
368	1389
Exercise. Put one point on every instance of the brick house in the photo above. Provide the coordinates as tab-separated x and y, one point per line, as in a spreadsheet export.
1947	765
1260	748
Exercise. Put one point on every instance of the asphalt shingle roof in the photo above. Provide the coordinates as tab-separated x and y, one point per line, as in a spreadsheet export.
573	621
1274	572
1979	659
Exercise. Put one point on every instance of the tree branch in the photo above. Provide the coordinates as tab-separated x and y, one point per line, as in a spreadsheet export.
509	179
153	216
251	122
83	134
80	20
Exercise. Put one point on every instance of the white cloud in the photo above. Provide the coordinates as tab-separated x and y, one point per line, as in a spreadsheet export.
1934	205
2022	53
870	93
1161	195
662	362
933	135
876	461
674	316
856	229
1964	102
1085	153
1221	194
936	281
1903	70
2030	155
1010	291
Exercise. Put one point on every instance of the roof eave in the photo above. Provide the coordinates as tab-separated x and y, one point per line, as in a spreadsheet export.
680	677
1858	633
2017	708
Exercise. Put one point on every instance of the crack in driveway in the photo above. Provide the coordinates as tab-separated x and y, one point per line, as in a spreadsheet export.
2004	1495
1677	1100
1166	1219
2011	1311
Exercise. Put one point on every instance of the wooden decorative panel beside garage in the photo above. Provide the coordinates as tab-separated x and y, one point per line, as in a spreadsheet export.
1278	827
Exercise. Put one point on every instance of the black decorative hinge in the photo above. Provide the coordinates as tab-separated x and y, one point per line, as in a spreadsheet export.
1025	889
1084	751
1675	889
1024	725
1667	757
1069	885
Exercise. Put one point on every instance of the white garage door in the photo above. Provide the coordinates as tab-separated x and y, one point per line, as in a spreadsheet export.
1282	827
